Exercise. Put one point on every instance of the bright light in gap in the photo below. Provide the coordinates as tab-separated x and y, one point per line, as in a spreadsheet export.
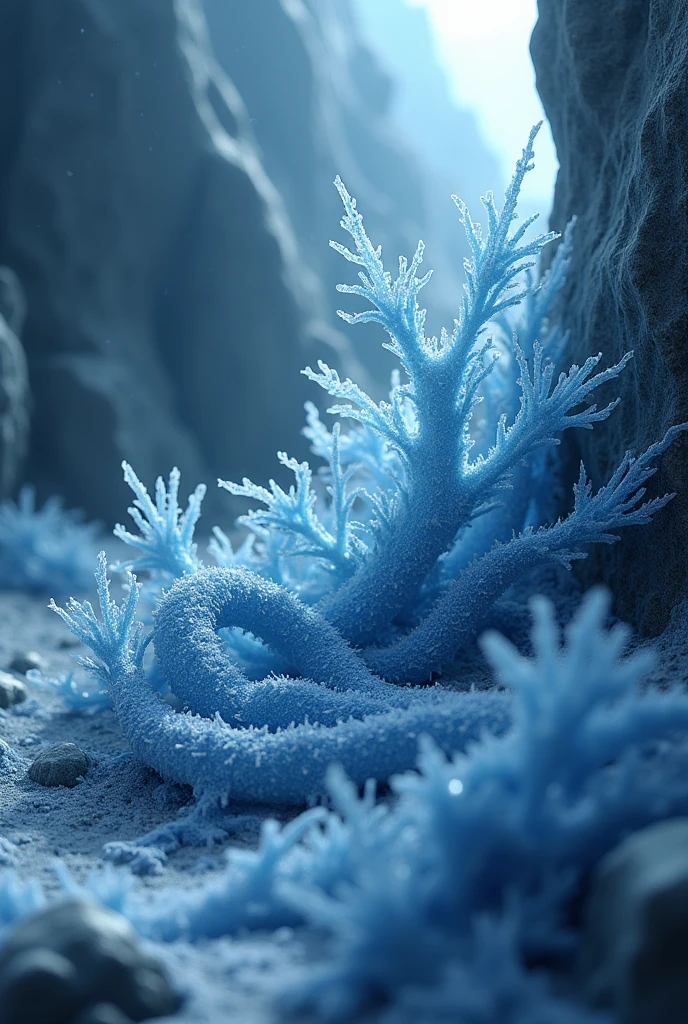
484	49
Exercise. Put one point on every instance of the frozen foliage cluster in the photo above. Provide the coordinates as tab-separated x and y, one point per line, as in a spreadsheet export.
77	696
303	665
314	642
47	550
438	901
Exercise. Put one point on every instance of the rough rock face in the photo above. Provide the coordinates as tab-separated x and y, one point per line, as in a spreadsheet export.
14	384
63	764
613	77
156	259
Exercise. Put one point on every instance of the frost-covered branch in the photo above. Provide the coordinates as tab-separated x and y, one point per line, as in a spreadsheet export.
165	537
117	639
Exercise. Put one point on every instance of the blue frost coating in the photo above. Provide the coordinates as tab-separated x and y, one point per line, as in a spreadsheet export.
44	550
444	490
165	537
201	672
364	577
372	580
288	766
513	824
472	868
532	492
384	573
457	616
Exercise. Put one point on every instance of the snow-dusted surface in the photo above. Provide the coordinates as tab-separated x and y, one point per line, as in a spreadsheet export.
225	980
242	978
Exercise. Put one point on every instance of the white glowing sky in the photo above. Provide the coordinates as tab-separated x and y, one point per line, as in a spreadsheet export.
483	45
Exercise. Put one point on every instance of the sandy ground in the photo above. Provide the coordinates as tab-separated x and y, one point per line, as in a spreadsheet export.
120	799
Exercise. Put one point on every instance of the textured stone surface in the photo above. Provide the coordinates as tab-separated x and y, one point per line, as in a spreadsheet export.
152	248
635	957
14	382
63	764
79	962
613	77
12	691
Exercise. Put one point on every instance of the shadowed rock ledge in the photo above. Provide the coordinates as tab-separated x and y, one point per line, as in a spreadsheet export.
149	241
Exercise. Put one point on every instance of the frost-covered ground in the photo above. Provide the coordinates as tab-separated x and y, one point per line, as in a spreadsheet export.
120	799
239	979
242	978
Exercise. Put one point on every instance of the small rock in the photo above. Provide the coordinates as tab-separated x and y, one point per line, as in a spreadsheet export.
78	939
12	691
68	641
635	952
24	661
103	1013
30	740
61	765
38	986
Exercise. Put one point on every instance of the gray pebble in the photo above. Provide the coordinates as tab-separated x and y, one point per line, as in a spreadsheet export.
61	765
12	691
34	971
635	952
24	661
107	980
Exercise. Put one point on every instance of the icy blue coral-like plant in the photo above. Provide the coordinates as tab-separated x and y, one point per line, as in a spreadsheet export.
46	550
437	900
350	596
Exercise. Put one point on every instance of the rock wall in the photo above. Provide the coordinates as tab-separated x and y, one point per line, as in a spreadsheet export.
14	382
613	78
160	270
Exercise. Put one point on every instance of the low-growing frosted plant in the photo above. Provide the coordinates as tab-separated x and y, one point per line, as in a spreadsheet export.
75	695
439	898
46	550
364	589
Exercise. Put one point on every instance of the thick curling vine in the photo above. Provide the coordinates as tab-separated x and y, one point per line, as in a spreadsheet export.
235	759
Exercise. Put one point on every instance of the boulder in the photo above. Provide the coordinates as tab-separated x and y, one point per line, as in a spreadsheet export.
12	691
77	961
152	248
635	951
